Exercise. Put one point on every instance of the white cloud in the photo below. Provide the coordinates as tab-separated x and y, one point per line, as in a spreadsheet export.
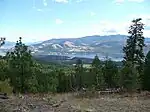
118	1
61	1
111	27
41	9
58	21
145	18
92	13
45	3
105	27
139	1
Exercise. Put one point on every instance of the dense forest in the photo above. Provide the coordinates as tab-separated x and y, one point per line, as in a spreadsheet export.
20	72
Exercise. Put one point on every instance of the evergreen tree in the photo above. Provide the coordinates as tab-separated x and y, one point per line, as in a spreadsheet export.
96	70
43	78
96	62
3	63
2	41
78	75
79	66
110	73
146	76
3	70
64	82
135	44
19	62
128	79
134	50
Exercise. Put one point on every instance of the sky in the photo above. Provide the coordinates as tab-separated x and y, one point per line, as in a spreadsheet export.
38	20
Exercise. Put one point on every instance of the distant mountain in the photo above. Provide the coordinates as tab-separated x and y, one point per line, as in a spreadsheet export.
8	45
32	43
88	46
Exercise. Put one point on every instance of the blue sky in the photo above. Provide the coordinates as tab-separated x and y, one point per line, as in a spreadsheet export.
37	20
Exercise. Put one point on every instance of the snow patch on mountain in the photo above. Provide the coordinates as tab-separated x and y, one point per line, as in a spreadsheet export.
69	44
57	46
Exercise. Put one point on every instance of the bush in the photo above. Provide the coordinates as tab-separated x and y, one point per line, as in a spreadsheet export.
5	87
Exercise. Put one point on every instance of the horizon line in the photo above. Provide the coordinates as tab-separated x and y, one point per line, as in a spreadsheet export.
66	38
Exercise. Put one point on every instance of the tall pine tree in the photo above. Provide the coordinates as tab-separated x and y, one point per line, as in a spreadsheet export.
134	49
135	44
19	62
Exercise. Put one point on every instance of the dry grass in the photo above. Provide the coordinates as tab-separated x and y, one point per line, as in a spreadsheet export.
70	103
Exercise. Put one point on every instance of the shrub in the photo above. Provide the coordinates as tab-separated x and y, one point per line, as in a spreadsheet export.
5	87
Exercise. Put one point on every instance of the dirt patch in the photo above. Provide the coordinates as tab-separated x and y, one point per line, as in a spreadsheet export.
69	103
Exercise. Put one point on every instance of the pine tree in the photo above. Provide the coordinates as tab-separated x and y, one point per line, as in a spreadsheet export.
3	70
135	44
79	66
128	78
96	62
110	72
96	69
19	62
146	76
3	63
134	49
78	75
2	41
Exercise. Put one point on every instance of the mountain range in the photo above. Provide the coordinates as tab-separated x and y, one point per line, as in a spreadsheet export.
88	46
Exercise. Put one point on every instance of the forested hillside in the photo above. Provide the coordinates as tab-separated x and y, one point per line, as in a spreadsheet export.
25	73
22	73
